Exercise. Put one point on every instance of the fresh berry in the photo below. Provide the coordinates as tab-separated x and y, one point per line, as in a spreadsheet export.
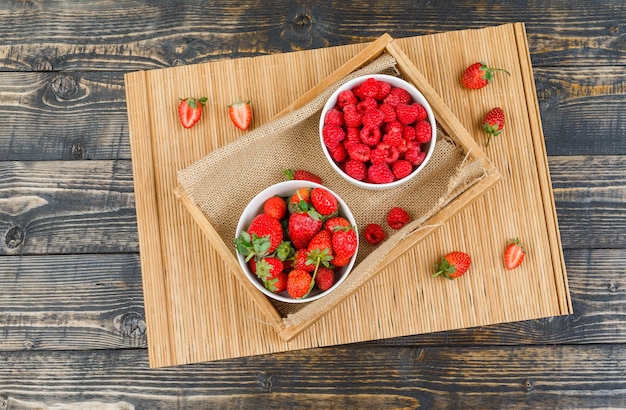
334	117
320	249
324	201
302	175
351	116
366	104
265	226
336	222
300	258
359	152
374	234
514	254
324	278
373	118
379	174
389	112
276	284
368	88
298	283
478	75
422	114
333	135
453	265
275	206
345	98
345	242
339	153
240	114
268	268
407	114
401	94
423	132
384	154
493	123
340	261
302	227
397	217
370	136
356	169
299	200
190	111
401	168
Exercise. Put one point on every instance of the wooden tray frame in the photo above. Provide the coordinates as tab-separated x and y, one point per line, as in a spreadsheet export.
445	119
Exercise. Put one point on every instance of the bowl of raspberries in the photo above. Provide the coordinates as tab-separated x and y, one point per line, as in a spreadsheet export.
377	131
296	241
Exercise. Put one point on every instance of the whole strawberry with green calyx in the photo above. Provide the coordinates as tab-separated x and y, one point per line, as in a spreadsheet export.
320	249
270	271
302	227
301	175
453	265
298	283
345	242
478	75
493	123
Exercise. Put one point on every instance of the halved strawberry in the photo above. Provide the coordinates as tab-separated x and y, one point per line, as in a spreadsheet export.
240	114
190	111
514	254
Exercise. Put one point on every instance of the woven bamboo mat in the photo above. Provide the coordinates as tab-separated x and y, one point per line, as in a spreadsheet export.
196	311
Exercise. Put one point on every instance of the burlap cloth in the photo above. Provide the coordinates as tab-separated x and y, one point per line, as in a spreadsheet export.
223	182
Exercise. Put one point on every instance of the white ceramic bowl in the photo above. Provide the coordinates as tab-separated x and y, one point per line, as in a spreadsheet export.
417	97
285	189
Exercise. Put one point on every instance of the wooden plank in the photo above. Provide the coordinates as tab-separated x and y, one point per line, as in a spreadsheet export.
531	377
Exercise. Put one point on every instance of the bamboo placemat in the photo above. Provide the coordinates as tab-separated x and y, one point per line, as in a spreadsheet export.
196	311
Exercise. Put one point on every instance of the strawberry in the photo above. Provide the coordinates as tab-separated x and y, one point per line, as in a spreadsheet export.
320	249
493	123
514	254
269	267
300	259
338	261
374	234
335	222
276	284
190	111
264	225
478	75
453	265
397	217
240	114
302	175
275	206
324	201
302	227
300	200
344	242
325	278
298	283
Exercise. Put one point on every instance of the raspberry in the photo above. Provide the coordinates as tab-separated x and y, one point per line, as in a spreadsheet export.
333	135
370	136
379	174
368	88
384	154
393	138
359	152
408	133
422	114
384	88
392	100
423	132
397	217
366	105
374	234
394	126
412	153
353	136
346	97
406	114
389	112
373	118
403	95
334	117
351	116
356	169
339	153
401	168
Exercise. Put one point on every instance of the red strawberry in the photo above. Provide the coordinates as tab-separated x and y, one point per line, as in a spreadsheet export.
453	265
324	201
190	111
344	241
493	123
276	284
264	225
267	268
302	175
300	259
397	217
325	278
320	249
300	200
276	207
478	75
374	234
338	262
514	254
298	283
240	114
335	222
302	227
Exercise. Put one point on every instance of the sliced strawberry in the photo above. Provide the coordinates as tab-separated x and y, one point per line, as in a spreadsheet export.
240	114
190	111
514	254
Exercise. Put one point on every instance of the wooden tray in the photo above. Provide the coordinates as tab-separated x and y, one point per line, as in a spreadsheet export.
196	310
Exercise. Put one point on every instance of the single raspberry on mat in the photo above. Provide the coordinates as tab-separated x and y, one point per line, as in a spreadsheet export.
397	217
374	234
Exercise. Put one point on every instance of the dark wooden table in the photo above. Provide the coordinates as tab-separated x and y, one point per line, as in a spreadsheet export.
72	333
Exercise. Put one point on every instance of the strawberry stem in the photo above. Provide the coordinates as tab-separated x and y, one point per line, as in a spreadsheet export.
317	265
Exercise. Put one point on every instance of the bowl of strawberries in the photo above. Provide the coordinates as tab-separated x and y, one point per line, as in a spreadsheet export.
377	131
296	241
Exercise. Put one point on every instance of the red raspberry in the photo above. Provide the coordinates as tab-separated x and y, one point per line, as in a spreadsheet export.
373	118
368	88
423	132
389	112
353	136
359	152
408	133
356	169
397	217
394	126
374	234
334	117
366	105
403	95
351	116
406	114
393	138
333	135
346	97
384	154
392	100
339	153
384	88
379	174
401	168
422	113
412	153
370	136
